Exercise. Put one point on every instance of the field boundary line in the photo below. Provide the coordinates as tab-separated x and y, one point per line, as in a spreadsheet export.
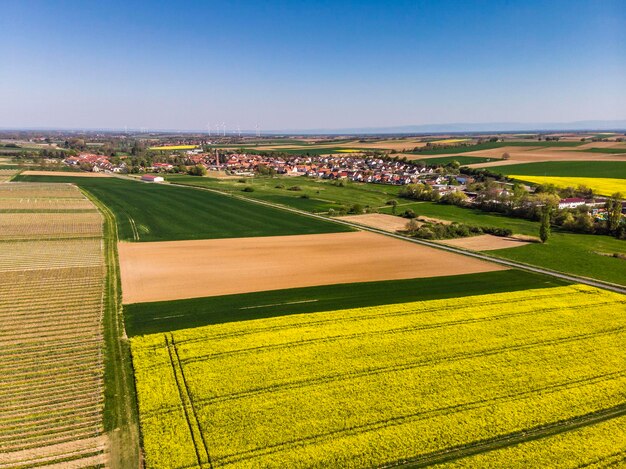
183	404
121	416
511	439
478	255
186	401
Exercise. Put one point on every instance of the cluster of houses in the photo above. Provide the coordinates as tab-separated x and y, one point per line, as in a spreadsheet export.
596	205
97	163
357	169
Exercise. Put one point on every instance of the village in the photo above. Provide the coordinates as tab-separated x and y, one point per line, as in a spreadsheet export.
443	180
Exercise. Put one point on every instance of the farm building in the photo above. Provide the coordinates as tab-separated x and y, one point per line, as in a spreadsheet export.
151	178
571	202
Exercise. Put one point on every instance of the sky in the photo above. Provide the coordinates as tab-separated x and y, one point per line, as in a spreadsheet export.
304	65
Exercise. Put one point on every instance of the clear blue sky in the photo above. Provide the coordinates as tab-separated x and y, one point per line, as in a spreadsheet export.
289	65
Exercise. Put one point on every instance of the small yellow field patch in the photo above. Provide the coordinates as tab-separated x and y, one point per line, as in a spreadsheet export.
602	186
174	147
449	140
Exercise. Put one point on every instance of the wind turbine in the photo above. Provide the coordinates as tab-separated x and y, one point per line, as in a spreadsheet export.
258	130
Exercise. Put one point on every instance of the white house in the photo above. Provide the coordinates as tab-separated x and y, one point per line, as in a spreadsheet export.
151	178
571	202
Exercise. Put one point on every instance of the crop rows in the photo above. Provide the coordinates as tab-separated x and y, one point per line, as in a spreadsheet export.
380	385
45	204
7	174
35	225
51	300
21	255
39	190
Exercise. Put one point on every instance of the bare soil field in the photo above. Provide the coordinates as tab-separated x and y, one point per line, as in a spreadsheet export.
170	270
378	220
484	242
548	155
66	173
533	154
585	146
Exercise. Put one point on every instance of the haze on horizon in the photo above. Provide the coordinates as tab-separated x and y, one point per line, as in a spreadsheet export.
296	65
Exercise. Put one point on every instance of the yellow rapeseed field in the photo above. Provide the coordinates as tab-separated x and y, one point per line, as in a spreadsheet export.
174	147
602	186
374	386
449	140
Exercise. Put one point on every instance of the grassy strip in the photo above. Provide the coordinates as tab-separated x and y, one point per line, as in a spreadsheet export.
589	169
147	318
315	195
121	420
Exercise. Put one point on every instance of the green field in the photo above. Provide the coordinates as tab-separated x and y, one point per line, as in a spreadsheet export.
385	385
463	160
612	151
564	252
154	212
491	145
592	169
469	216
577	254
148	318
320	195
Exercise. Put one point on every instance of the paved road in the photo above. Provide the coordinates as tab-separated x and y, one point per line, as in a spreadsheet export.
478	255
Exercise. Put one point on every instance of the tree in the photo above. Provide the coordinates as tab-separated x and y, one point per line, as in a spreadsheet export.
198	170
544	229
614	212
412	227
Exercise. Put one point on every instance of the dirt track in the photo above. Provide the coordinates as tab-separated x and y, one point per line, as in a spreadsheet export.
171	270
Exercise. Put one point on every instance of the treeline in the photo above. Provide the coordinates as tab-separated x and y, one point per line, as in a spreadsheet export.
520	203
432	230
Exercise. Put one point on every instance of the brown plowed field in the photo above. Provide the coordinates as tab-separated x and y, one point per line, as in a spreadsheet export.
484	242
187	269
379	221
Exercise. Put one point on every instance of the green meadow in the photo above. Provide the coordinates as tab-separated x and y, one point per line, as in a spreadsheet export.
593	169
158	212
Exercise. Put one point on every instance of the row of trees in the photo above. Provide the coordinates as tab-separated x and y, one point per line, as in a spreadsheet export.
542	205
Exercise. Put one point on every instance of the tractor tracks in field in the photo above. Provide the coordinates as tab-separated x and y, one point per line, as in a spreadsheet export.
512	439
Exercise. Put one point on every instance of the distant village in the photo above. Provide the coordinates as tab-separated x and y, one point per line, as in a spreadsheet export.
353	168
